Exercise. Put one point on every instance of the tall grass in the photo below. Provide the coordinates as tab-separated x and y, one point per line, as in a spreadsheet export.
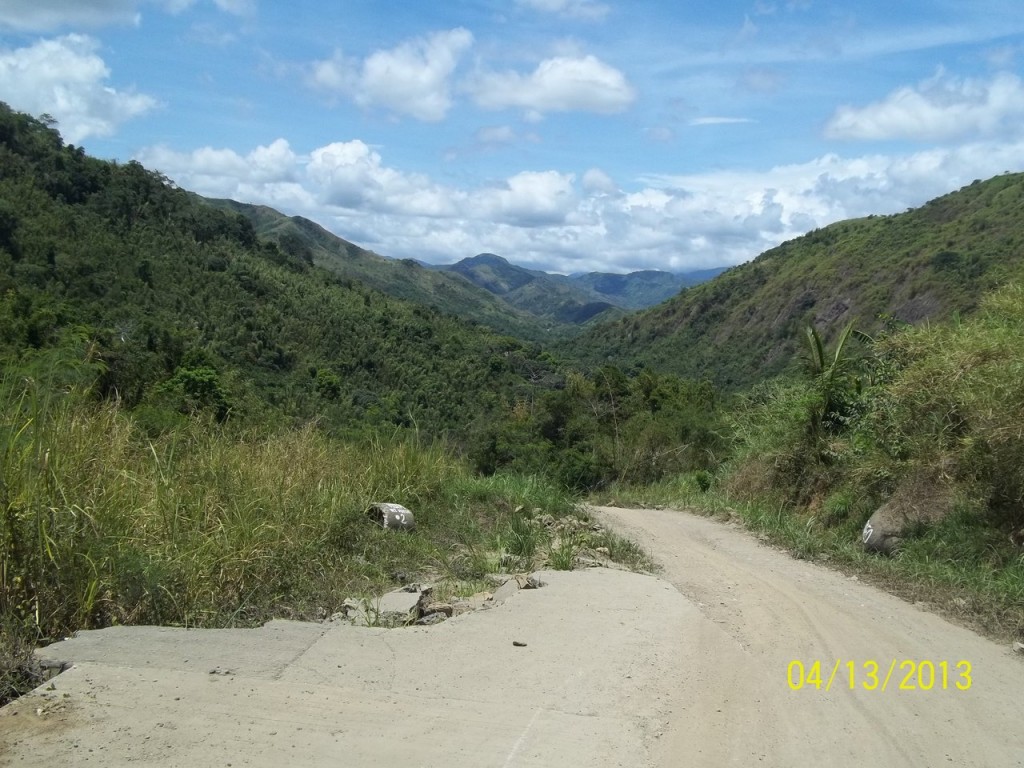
101	525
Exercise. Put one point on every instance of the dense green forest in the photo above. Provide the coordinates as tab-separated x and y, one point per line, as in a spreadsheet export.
189	311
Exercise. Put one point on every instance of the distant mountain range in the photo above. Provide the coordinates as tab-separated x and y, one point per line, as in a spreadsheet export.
486	289
573	299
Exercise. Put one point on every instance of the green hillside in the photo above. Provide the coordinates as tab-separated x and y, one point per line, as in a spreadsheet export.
927	263
189	311
405	279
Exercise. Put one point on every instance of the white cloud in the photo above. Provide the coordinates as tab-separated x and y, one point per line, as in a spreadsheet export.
411	79
352	175
268	173
577	9
550	220
528	199
559	84
67	79
939	109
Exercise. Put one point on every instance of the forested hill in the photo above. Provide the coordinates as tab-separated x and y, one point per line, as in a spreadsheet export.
404	279
189	311
486	288
746	324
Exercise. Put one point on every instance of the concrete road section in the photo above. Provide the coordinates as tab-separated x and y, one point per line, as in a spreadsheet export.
589	685
599	668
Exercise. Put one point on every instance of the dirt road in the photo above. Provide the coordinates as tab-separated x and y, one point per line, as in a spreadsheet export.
765	610
599	668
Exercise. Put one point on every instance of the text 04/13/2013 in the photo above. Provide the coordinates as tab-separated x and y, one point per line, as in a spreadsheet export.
902	675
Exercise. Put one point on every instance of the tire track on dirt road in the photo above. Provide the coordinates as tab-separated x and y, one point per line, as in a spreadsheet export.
773	610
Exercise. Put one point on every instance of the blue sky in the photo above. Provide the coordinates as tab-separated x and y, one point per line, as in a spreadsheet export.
566	135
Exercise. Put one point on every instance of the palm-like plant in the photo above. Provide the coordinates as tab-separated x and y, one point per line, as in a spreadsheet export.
834	378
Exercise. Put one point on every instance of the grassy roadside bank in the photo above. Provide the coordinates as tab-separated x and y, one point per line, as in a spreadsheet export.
101	524
961	568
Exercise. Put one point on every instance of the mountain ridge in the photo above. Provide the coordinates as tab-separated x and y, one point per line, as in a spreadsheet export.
593	296
746	324
485	288
405	279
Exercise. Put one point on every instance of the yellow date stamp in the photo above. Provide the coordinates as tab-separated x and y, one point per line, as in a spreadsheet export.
870	675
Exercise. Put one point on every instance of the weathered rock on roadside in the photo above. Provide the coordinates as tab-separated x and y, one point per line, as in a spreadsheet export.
922	498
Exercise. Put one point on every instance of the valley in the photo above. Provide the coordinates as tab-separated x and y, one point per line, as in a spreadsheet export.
202	398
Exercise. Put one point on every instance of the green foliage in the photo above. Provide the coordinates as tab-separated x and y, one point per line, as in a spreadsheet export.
952	398
605	427
835	382
100	524
195	316
940	406
562	556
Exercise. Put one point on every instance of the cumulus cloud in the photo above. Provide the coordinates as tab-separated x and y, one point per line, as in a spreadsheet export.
66	78
527	199
226	173
576	9
559	84
941	108
412	79
553	220
352	175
